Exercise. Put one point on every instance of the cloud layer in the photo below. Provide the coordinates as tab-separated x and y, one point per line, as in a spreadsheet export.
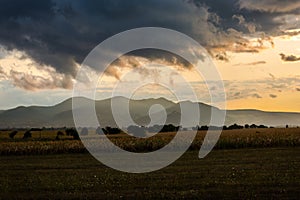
60	34
289	58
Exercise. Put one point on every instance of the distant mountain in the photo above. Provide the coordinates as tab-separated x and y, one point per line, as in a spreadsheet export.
60	115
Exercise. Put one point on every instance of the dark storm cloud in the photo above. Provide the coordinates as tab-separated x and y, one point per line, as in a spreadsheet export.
289	58
62	33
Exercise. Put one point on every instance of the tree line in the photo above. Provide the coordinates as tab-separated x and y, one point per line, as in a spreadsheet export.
137	131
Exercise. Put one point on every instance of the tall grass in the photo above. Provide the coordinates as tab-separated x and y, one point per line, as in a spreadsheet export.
45	143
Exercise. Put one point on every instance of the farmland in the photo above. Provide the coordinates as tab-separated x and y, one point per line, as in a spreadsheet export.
245	164
44	142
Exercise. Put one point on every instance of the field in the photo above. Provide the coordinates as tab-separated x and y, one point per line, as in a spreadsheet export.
43	142
246	164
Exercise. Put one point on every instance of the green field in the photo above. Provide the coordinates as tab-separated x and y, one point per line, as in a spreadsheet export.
245	164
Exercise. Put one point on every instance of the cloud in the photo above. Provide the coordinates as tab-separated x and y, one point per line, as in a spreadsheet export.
242	21
34	82
222	56
272	76
256	96
257	63
11	96
138	59
272	6
251	63
257	87
237	94
61	33
291	33
289	58
273	96
27	74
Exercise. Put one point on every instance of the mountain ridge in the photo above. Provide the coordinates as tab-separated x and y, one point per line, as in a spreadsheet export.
60	115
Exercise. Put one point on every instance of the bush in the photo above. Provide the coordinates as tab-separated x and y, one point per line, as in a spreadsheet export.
72	132
262	126
137	131
100	131
84	131
235	126
13	134
110	130
27	135
59	133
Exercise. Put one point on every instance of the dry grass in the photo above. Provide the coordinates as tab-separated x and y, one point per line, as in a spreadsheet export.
44	142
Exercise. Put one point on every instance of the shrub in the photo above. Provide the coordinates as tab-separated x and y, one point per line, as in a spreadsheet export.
59	133
100	131
13	134
235	126
137	131
27	135
72	132
84	131
110	130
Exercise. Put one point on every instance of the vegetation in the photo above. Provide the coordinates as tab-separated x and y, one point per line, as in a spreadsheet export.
59	135
27	135
271	173
57	166
13	134
72	132
67	141
137	131
84	131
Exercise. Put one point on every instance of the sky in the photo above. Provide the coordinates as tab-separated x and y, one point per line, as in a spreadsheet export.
254	44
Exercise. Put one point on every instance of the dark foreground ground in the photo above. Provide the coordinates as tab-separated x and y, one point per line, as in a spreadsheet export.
267	173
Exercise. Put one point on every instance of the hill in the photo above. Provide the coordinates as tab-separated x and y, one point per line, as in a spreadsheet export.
60	115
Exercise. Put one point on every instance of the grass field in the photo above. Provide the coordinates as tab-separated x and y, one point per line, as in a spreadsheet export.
269	173
245	164
43	143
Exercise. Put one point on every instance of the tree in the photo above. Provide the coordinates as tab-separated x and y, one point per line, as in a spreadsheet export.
169	128
58	135
203	128
235	126
137	131
99	131
247	126
84	131
13	134
112	130
72	132
155	128
27	135
262	126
